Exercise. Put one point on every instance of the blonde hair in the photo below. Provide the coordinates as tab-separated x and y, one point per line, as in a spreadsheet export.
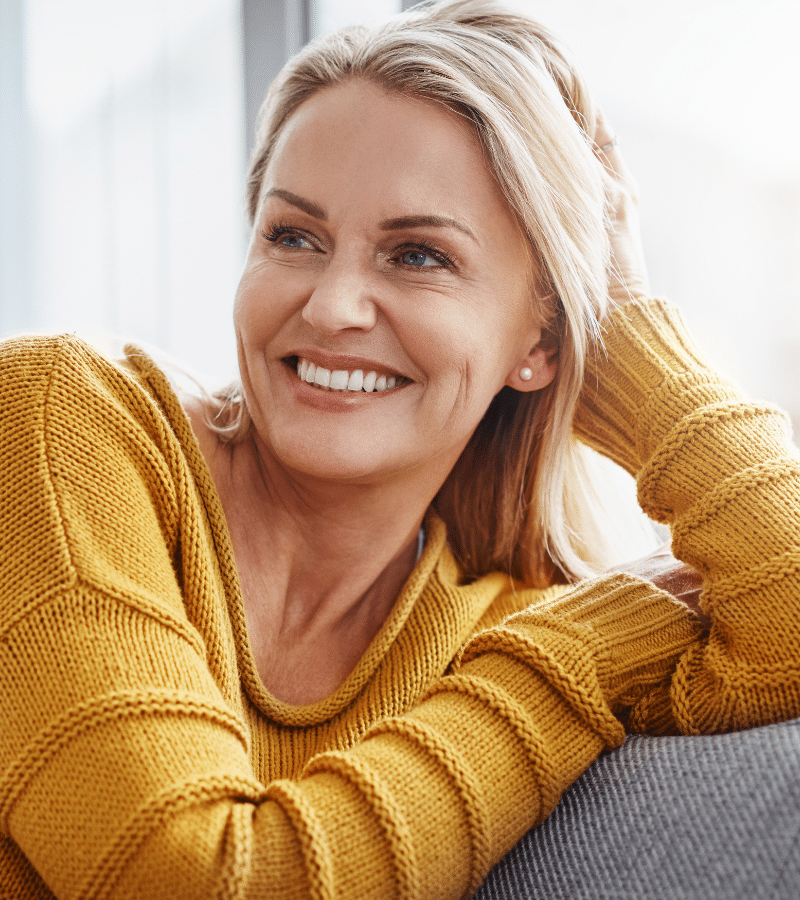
504	502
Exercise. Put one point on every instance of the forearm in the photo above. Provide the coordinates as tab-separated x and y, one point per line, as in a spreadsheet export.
148	791
427	802
723	473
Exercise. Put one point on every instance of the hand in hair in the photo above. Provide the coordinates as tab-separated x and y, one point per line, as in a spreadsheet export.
627	278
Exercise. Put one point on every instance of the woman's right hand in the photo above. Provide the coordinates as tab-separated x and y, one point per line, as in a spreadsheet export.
627	276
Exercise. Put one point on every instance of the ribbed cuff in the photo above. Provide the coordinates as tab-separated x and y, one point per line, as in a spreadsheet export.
646	376
607	641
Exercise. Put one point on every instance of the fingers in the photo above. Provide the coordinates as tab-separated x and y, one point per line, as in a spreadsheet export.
603	133
606	141
627	271
607	150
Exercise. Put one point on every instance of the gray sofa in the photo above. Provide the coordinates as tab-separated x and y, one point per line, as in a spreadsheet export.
711	818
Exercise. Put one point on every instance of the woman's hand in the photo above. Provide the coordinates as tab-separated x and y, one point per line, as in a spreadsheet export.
627	277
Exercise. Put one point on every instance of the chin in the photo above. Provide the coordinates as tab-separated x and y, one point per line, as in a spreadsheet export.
338	458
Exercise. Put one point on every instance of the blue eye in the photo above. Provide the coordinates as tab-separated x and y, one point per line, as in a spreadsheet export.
294	241
286	237
419	255
418	258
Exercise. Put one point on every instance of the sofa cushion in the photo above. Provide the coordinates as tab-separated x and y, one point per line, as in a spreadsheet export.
716	818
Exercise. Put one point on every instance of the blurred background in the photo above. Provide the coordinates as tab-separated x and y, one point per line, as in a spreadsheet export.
125	130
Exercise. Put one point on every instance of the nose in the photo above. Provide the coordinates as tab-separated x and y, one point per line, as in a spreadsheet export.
342	299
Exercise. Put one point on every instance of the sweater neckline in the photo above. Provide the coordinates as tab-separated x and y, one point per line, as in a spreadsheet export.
432	598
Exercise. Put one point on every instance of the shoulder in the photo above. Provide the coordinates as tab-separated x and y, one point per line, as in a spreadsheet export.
77	417
516	598
37	373
27	362
49	382
92	469
43	352
55	365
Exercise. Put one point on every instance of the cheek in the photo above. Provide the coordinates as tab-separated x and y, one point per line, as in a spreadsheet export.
246	297
268	296
437	342
256	310
461	366
240	310
467	341
247	315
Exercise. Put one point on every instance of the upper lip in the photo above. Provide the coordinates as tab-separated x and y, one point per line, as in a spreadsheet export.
336	361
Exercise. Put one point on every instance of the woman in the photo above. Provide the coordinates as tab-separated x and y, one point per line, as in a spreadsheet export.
270	651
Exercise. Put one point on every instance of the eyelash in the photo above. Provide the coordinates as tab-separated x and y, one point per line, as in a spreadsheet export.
279	229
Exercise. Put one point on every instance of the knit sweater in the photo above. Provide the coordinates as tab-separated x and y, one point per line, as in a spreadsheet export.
142	757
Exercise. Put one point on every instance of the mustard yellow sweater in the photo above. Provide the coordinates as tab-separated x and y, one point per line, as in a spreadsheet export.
140	755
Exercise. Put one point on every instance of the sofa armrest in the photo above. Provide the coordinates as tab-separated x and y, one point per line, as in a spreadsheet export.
711	818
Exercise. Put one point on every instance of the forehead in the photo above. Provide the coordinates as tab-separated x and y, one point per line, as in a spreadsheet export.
359	143
360	102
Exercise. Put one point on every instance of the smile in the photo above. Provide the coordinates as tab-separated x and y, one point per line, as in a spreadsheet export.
342	380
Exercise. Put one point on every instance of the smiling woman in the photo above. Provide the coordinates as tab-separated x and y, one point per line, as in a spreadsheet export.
406	254
325	634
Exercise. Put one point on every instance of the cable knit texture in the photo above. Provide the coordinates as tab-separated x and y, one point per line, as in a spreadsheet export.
141	755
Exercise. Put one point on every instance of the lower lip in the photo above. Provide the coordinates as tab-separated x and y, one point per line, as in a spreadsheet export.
343	401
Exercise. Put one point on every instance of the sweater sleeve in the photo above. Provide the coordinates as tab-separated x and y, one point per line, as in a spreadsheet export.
725	475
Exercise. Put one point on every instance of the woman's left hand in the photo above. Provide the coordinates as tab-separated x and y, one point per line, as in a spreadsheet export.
627	277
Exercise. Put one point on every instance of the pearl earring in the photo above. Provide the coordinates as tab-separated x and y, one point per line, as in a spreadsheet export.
525	373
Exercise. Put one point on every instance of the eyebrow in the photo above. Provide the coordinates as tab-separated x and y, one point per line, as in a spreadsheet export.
398	224
300	202
421	221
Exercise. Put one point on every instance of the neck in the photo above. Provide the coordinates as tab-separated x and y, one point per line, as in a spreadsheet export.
336	555
320	565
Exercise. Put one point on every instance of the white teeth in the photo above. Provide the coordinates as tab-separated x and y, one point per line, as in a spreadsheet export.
341	380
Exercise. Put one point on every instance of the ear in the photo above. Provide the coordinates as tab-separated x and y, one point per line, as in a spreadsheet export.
543	366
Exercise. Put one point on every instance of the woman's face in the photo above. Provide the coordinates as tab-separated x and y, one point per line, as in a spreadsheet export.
385	257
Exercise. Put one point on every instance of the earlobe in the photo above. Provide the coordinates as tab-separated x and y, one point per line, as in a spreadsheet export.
534	372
